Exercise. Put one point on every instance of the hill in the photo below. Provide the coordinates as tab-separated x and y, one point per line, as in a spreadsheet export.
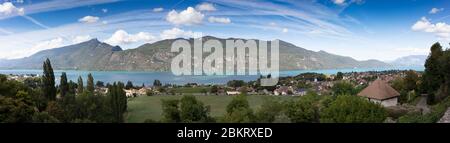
95	55
412	60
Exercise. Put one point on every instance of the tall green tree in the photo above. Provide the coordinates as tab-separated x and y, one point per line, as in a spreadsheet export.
339	76
118	101
411	80
80	86
90	83
129	85
433	75
48	80
72	86
63	86
157	83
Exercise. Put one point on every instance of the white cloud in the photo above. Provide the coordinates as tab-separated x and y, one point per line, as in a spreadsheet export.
42	45
45	6
347	2
158	9
339	2
285	30
81	38
435	10
89	19
177	33
205	7
186	17
7	9
272	24
104	10
122	37
50	44
223	20
19	1
440	29
37	47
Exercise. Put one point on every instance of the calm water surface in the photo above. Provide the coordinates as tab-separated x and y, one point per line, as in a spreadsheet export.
147	78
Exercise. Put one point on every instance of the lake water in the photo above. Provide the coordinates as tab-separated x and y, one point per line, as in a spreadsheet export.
138	78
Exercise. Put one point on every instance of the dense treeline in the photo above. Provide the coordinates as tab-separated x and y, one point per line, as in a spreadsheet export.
37	100
311	108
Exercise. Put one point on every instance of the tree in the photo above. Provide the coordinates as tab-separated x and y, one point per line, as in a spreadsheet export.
48	80
72	87
80	86
411	80
118	101
339	76
236	83
129	85
157	83
90	84
192	110
304	110
100	84
63	86
239	111
353	109
243	90
343	87
171	113
432	77
444	88
15	111
214	89
269	110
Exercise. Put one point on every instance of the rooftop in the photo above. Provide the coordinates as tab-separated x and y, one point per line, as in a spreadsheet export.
380	90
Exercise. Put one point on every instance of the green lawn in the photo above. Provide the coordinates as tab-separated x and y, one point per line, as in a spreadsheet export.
149	107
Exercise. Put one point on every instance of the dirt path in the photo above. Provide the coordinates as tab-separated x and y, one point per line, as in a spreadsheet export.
422	105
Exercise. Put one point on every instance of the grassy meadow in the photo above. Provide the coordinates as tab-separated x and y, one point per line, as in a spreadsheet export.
149	107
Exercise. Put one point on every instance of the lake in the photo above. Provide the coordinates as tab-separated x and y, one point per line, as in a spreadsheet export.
147	78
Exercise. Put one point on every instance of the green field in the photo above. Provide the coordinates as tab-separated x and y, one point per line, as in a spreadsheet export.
149	107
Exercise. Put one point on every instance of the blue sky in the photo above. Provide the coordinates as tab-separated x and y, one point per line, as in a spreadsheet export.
362	29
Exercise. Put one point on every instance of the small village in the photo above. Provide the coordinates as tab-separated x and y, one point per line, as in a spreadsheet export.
288	86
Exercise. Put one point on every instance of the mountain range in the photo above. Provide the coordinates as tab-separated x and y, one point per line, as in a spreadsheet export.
412	60
96	55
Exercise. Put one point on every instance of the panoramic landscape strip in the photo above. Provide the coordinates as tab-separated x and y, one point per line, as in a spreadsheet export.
391	96
224	61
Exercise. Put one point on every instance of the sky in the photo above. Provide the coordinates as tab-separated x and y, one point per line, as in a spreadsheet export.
362	29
